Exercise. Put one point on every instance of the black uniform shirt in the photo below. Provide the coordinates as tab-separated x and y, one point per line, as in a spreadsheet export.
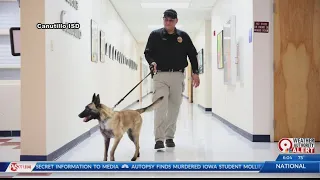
166	50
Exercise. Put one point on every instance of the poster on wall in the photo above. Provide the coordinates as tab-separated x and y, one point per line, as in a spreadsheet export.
227	52
238	62
112	53
94	41
230	51
106	50
102	47
220	63
109	51
200	61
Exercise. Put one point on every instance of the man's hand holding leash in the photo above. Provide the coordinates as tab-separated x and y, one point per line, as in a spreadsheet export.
153	68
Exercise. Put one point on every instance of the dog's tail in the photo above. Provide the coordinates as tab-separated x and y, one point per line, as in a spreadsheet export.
151	107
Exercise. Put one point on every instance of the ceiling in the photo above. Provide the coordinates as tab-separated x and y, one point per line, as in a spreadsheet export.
138	19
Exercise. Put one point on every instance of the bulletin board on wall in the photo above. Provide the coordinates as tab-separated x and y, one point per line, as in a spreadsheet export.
95	41
230	51
227	52
220	62
102	46
200	61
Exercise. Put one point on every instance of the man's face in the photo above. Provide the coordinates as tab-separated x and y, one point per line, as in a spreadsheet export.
169	23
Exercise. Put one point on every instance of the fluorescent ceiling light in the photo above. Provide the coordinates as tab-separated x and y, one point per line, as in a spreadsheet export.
160	26
181	5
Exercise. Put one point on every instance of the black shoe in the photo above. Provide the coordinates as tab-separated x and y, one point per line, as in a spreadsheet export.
159	145
170	143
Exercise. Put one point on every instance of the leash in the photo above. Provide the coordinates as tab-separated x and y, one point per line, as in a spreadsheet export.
151	73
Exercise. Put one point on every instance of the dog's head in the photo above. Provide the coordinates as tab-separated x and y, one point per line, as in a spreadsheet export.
91	111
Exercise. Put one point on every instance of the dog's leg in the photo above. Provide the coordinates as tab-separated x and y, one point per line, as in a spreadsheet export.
106	148
136	134
137	152
132	139
114	147
130	135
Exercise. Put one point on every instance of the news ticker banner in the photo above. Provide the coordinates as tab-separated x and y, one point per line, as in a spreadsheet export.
261	167
285	163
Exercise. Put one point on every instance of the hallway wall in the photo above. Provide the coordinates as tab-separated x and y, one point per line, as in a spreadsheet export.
9	70
147	83
70	76
234	103
263	86
199	42
9	105
248	104
202	40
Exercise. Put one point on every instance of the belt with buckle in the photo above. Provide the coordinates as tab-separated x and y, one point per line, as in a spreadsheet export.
171	70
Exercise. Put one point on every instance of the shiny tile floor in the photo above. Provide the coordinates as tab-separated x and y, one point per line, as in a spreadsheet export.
9	149
199	137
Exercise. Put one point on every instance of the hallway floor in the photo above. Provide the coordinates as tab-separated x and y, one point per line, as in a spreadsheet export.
196	140
199	137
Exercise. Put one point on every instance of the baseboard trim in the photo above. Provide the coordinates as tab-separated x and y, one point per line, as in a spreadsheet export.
67	147
204	108
247	135
145	95
185	96
15	133
134	102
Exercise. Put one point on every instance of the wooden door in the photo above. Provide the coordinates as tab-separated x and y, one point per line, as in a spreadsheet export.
297	69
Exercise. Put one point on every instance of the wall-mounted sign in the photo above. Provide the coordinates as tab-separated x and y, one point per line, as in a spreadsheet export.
261	27
250	35
73	3
72	28
102	46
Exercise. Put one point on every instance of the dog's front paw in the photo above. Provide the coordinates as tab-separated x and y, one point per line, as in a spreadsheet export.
112	159
134	159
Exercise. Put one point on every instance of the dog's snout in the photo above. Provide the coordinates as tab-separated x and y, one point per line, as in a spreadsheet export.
81	115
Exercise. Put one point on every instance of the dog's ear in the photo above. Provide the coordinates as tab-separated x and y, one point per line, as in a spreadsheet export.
97	101
93	97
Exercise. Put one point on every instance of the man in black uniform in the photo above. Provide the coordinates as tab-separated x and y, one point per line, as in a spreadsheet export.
166	51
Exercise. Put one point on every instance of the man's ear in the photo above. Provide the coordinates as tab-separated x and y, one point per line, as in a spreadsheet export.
97	101
93	97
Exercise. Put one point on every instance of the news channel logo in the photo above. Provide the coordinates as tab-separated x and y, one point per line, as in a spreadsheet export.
297	145
20	167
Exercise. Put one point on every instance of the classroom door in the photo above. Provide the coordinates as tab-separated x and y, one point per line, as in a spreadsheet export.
297	69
